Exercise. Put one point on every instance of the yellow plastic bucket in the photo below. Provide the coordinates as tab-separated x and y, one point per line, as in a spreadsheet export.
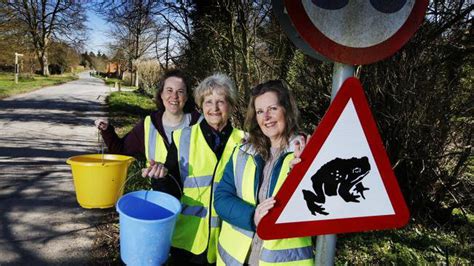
98	180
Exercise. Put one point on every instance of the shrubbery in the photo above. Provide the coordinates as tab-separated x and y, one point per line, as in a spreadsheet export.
149	72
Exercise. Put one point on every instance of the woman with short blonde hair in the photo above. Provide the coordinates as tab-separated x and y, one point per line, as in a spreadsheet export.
209	84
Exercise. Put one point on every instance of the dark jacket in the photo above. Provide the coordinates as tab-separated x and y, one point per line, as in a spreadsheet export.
170	183
173	185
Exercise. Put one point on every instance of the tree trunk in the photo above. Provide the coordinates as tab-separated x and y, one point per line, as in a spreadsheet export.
43	60
136	78
130	68
46	66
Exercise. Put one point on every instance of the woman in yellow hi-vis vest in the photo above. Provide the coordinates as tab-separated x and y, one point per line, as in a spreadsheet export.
194	167
151	137
254	175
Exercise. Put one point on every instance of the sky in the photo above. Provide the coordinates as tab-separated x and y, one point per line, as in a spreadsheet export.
98	29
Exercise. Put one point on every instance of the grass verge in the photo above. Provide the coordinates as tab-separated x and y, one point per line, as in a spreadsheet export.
29	83
416	244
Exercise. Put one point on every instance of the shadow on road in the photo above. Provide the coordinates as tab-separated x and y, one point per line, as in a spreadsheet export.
79	112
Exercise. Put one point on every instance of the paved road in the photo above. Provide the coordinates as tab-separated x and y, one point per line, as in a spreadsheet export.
40	220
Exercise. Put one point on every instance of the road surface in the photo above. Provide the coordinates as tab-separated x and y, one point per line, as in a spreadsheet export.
40	220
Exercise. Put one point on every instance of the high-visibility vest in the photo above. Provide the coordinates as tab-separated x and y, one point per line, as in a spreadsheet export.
155	147
198	225
235	243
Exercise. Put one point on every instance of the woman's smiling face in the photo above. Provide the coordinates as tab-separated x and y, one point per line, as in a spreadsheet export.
174	95
216	109
270	117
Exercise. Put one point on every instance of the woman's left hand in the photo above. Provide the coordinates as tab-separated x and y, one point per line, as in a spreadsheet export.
155	170
262	209
299	147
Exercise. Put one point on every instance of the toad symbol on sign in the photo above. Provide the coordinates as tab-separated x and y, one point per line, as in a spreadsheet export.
341	177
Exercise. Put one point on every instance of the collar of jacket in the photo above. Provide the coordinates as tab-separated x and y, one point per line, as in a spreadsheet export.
208	135
157	120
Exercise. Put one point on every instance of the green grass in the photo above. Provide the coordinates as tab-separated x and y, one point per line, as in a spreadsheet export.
415	244
126	109
29	83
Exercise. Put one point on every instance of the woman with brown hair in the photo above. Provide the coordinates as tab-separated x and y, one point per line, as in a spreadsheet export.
151	137
252	177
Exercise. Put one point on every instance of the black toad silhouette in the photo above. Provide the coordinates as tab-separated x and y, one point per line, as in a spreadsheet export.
341	177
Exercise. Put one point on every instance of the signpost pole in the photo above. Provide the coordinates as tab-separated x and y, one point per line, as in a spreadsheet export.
326	244
17	67
340	73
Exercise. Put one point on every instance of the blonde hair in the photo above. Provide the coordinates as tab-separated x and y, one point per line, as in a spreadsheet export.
212	83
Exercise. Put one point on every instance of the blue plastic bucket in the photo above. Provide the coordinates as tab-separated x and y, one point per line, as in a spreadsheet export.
147	221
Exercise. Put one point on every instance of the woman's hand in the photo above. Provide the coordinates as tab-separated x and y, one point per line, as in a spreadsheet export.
156	170
262	209
102	123
300	144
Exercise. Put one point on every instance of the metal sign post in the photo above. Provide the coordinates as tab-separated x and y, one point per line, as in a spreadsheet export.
17	67
326	244
343	32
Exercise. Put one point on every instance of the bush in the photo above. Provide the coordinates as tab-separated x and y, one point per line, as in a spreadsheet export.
149	74
55	69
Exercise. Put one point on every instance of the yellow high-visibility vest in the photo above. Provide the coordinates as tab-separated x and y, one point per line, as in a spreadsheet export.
198	225
235	243
155	147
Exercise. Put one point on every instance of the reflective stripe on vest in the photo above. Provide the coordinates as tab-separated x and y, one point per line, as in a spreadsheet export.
198	211
286	255
226	258
291	251
197	164
155	147
198	181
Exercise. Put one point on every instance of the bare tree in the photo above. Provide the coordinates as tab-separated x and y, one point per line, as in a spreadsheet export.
45	21
174	31
133	28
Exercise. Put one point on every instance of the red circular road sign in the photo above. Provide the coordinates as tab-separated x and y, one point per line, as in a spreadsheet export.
356	31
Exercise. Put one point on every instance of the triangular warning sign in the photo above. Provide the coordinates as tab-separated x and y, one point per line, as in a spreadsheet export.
345	182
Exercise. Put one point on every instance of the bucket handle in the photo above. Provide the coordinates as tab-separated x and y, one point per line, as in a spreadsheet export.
138	171
177	184
127	179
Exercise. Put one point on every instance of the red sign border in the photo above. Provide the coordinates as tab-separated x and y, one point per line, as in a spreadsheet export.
268	229
349	55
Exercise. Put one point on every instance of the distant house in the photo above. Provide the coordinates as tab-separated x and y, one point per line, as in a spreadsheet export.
113	70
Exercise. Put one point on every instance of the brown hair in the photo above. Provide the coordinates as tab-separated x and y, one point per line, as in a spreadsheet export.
189	106
257	139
